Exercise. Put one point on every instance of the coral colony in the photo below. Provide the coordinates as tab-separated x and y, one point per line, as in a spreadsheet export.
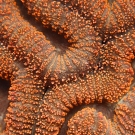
67	67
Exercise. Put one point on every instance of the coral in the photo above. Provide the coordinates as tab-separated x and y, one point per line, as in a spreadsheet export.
108	17
125	114
6	62
89	121
59	101
55	62
24	95
80	85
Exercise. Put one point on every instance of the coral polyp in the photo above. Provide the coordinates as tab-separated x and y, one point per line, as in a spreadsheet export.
52	61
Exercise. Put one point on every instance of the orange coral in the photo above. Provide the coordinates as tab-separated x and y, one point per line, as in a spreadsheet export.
92	65
88	121
57	103
52	61
23	86
109	17
24	97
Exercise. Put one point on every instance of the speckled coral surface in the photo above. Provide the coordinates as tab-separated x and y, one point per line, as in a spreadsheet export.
70	65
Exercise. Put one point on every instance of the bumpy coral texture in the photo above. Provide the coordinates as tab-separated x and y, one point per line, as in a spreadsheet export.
77	80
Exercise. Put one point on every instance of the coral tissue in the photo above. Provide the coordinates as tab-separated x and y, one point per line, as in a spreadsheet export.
70	67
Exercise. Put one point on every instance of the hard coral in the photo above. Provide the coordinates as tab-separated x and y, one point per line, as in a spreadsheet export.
92	67
22	87
31	46
108	17
88	121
